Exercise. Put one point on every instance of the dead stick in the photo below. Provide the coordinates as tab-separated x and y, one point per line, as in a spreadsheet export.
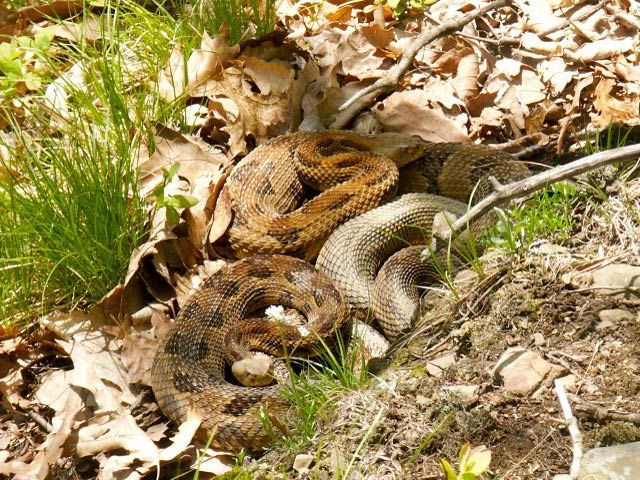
603	413
521	188
390	81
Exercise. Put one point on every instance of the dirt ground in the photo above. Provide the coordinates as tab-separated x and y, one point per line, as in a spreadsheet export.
531	302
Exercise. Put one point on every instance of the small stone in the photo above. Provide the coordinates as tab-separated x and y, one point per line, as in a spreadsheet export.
538	339
548	248
373	343
617	462
465	278
302	462
522	371
615	315
569	381
436	366
604	324
467	394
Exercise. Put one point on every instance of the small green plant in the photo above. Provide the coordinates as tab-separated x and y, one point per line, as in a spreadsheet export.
613	137
473	463
21	65
403	7
546	215
428	440
253	18
172	202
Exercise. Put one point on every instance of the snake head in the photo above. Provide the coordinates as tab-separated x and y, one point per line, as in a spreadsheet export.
254	370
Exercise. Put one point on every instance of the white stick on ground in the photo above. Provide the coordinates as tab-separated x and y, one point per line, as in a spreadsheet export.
574	430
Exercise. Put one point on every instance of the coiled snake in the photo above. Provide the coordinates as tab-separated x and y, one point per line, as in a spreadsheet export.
275	213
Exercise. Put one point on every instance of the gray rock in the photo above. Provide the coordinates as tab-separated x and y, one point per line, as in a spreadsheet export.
436	366
619	462
604	324
570	382
615	315
467	394
547	248
522	371
302	462
616	279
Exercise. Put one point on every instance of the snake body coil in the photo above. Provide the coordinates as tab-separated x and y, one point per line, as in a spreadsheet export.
189	369
275	212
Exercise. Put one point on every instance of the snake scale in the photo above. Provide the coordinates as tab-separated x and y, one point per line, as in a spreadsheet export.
325	195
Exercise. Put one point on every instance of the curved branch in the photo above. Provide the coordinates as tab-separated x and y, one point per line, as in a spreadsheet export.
521	188
390	81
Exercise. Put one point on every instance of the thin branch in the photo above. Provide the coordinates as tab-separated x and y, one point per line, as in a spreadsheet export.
531	184
40	420
574	430
390	81
603	413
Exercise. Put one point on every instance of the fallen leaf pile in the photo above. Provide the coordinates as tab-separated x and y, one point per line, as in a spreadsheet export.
548	67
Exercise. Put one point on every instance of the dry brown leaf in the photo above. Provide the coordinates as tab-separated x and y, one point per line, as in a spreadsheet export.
141	342
539	16
172	80
409	112
509	67
90	30
441	92
222	216
515	109
208	61
252	99
378	36
342	14
532	42
626	70
196	158
113	433
92	351
214	462
36	13
199	175
67	404
181	440
447	63
556	73
187	283
605	48
59	91
332	95
612	109
465	81
531	89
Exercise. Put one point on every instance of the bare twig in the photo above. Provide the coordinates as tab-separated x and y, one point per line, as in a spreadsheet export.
602	413
391	80
576	17
40	420
574	431
536	182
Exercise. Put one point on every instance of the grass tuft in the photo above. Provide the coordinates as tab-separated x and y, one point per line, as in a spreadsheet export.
546	215
313	390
